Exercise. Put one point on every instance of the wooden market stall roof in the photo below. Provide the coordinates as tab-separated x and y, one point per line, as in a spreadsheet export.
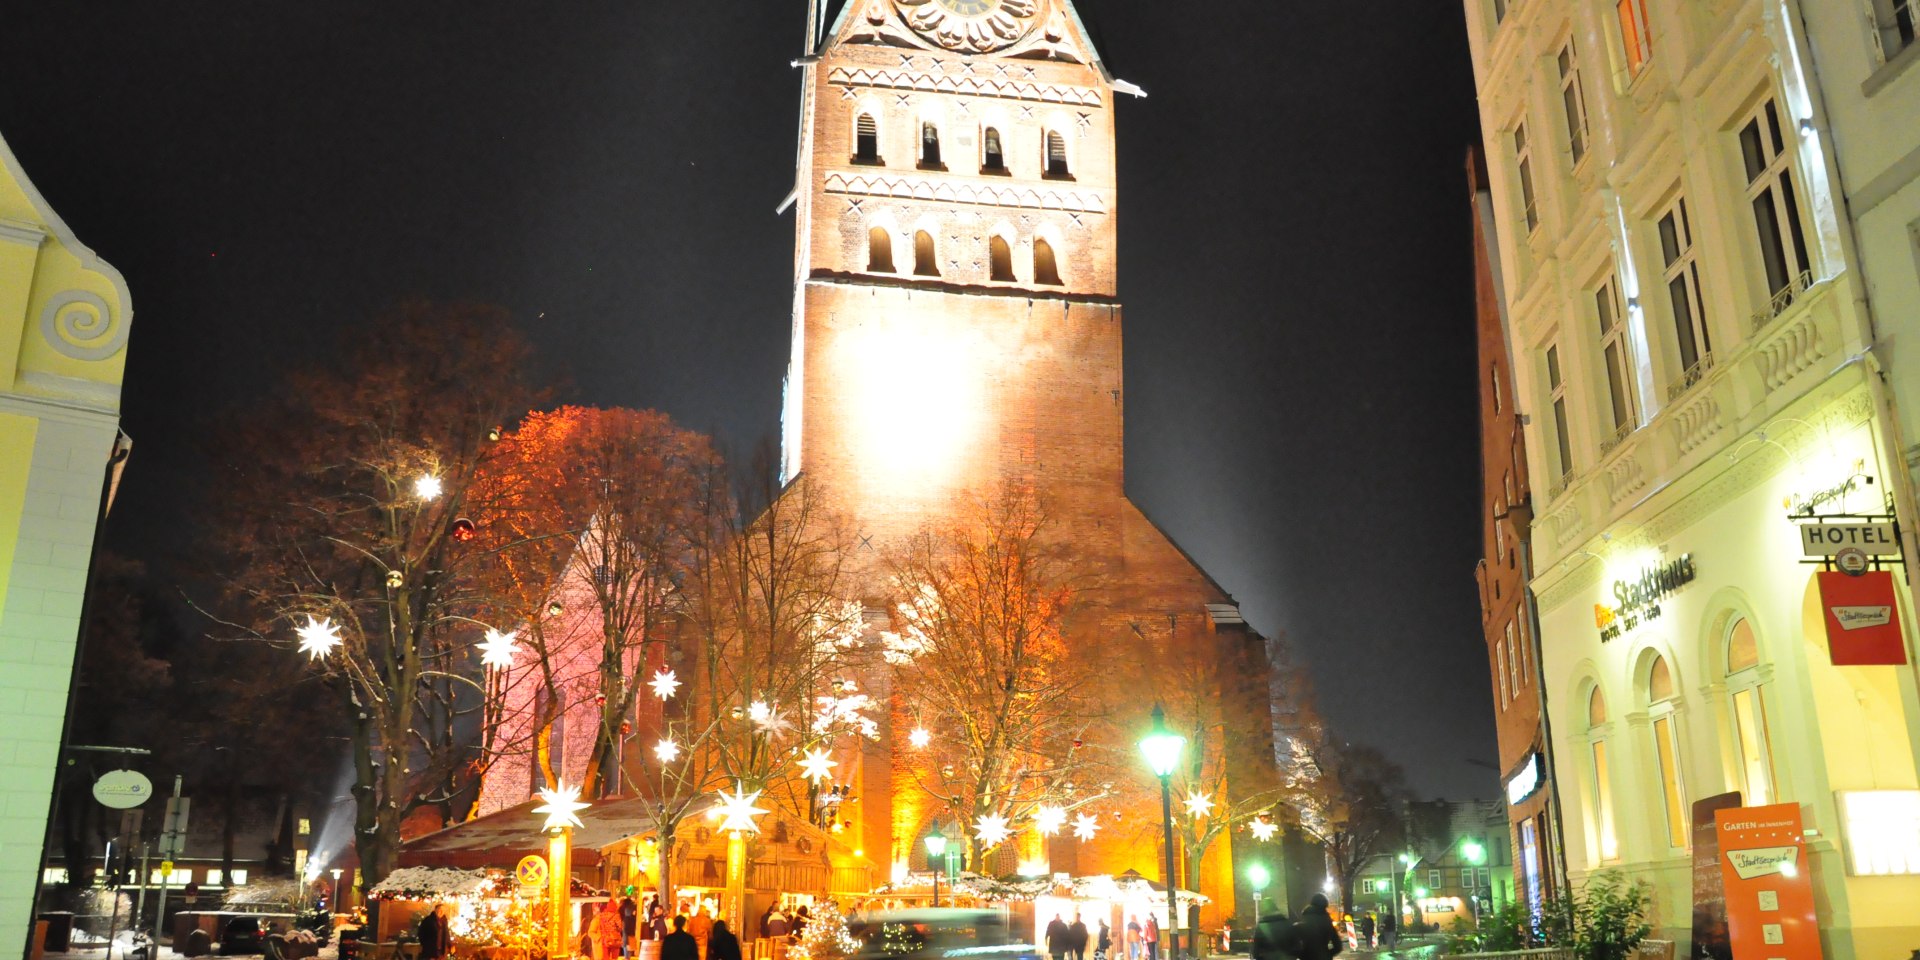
500	839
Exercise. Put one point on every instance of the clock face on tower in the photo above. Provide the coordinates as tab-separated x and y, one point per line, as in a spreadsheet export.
970	26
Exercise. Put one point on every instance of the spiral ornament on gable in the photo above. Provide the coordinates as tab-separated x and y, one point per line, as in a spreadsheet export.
81	325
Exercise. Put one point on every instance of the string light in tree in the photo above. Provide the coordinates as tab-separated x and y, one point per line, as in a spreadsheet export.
664	683
991	829
816	764
1198	804
498	649
736	810
562	807
318	638
919	737
1263	829
1048	820
427	487
667	750
1084	826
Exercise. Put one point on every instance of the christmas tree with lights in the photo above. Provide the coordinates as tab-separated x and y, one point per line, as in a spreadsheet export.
826	937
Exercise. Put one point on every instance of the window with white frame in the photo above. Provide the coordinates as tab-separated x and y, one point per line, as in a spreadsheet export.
1682	273
1557	399
1513	664
1493	380
1500	672
1523	165
1776	209
1634	40
1896	22
1616	356
1747	703
1660	695
1573	100
1606	838
1433	881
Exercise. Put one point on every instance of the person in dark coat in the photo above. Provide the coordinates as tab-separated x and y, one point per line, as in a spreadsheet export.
723	945
657	923
1104	942
679	945
434	937
1366	931
1315	934
629	923
1077	939
1273	938
1057	938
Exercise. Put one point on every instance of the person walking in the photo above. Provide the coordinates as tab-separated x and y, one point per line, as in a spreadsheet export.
1273	938
608	932
1366	931
679	945
1103	942
723	945
1317	938
1057	938
1077	938
1389	931
1151	934
629	924
777	925
434	937
1132	936
701	926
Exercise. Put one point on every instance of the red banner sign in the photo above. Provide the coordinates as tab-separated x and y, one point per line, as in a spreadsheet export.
1769	883
1863	619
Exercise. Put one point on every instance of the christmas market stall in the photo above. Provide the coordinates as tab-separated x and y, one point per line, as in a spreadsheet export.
488	912
1030	903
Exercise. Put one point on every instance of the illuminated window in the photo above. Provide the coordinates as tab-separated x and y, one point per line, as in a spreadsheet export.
1659	681
1513	662
1493	379
1746	695
1523	162
1776	211
1882	831
930	147
866	140
1634	40
1433	879
994	159
240	878
213	876
1895	19
1683	293
1614	353
1045	270
1666	750
1607	840
1557	396
1056	155
53	875
1596	709
924	264
1500	672
879	251
306	826
1000	258
1573	100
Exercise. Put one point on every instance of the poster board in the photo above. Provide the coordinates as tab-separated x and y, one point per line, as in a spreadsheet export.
1769	883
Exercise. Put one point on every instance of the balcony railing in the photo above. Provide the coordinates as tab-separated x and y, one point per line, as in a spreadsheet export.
1620	433
1690	377
1783	298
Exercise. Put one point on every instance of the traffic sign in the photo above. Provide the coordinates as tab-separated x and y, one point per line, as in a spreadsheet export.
532	874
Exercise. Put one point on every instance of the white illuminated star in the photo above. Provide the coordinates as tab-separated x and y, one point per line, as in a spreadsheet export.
919	737
498	649
1264	830
667	750
1198	804
758	711
1084	826
991	829
427	487
664	684
815	765
774	723
1049	820
736	810
562	806
318	638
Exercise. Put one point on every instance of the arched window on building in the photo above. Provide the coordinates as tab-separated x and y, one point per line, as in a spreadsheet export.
879	250
1057	155
866	140
993	159
930	147
1607	845
1747	702
1661	695
923	262
1045	270
1000	256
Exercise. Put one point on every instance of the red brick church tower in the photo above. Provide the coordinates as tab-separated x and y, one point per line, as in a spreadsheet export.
956	326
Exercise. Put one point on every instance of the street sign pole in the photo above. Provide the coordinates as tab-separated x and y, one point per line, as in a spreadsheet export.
140	899
172	844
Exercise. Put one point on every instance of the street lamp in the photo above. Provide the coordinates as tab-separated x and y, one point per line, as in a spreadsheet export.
336	871
1162	748
1258	877
1475	854
936	848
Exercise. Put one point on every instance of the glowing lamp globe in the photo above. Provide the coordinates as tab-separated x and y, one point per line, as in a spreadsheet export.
1162	746
1258	876
1474	852
936	844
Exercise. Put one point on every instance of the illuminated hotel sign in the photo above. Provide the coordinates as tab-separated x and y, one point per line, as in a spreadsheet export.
1523	784
1829	539
1639	599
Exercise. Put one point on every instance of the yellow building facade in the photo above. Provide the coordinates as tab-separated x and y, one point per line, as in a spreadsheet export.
64	316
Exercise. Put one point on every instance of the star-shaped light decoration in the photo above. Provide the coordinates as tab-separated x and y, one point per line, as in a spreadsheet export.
919	737
1084	826
991	829
736	810
774	723
667	750
1198	804
498	649
318	638
664	683
815	765
1264	829
562	807
758	711
1049	820
427	487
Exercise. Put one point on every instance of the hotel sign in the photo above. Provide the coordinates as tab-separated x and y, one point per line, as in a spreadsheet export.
1639	599
1829	539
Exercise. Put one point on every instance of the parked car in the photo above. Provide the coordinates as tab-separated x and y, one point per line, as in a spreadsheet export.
242	935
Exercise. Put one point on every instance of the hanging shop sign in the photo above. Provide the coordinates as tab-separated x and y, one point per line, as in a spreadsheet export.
1522	785
1863	618
122	789
1768	882
1638	600
1820	539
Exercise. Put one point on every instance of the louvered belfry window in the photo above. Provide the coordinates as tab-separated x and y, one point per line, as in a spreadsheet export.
1056	155
866	140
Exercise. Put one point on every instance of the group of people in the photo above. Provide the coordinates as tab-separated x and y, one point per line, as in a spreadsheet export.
1068	941
1364	928
1311	937
616	932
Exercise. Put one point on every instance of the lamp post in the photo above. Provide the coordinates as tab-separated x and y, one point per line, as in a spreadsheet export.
1162	748
562	808
1475	854
936	847
1258	877
336	871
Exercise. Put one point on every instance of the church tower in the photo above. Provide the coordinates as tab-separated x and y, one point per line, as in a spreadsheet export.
956	326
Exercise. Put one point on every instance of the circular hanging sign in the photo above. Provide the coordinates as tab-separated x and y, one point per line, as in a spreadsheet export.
532	874
122	789
1852	561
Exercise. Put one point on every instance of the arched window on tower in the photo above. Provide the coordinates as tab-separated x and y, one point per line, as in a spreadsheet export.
923	262
1001	257
1057	156
930	147
879	251
866	140
993	159
1045	270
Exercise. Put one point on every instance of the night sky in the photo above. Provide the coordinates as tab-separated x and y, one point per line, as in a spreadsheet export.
1294	258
